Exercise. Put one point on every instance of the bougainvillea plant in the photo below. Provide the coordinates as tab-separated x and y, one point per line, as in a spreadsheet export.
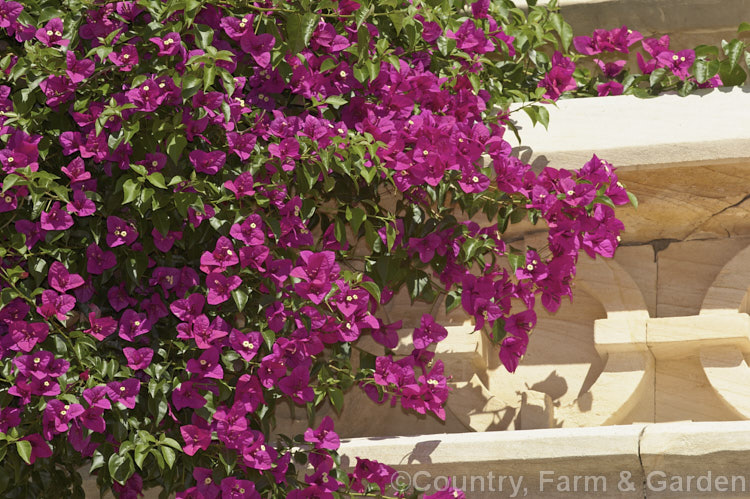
204	204
606	65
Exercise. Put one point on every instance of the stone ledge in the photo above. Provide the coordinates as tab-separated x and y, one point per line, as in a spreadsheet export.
649	456
706	128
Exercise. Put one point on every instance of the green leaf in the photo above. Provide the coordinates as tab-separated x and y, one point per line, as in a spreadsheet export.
543	116
161	222
372	237
687	88
390	235
328	64
141	452
516	260
706	50
11	180
97	461
131	190
23	447
355	216
294	35
121	467
563	29
633	199
733	51
175	145
743	27
336	101
361	15
704	70
269	337
209	75
205	35
363	42
731	76
240	298
417	283
657	76
498	331
605	200
339	230
337	399
452	300
162	409
446	45
533	114
371	288
366	360
171	442
157	179
361	74
397	18
169	456
309	23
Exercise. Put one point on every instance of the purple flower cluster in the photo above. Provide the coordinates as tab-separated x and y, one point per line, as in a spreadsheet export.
185	268
656	54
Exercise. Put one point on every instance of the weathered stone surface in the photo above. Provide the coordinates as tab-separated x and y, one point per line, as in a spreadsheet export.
683	449
550	454
687	203
536	411
686	271
633	461
729	375
640	263
729	291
